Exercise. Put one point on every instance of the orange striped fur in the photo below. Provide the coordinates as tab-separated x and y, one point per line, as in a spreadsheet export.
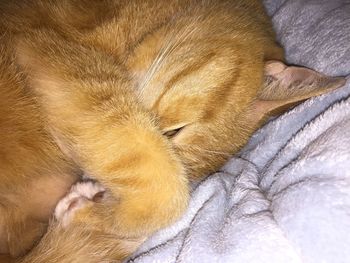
142	95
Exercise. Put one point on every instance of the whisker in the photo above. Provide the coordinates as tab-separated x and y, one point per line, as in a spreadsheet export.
171	43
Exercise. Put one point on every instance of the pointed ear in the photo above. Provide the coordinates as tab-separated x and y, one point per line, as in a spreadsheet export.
47	79
285	86
42	74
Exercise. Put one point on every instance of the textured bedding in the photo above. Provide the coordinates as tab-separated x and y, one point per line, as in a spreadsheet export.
286	196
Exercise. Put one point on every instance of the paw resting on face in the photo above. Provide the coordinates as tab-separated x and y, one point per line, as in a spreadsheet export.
81	194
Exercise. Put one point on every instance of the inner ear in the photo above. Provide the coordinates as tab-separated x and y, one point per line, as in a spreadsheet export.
290	84
285	86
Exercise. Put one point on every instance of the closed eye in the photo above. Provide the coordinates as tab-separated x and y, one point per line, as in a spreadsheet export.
173	133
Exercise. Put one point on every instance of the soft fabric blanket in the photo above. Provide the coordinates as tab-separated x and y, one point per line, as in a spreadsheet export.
286	196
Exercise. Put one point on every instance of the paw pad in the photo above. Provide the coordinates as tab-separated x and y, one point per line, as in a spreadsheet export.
79	196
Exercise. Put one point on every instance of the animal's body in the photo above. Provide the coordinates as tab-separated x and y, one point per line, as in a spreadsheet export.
142	95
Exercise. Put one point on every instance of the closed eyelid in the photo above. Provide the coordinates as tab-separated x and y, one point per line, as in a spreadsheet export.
175	127
174	131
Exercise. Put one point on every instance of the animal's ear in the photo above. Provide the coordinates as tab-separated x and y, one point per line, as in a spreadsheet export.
285	86
42	74
47	78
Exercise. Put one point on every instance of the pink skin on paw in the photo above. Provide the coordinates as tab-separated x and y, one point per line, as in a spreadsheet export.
80	194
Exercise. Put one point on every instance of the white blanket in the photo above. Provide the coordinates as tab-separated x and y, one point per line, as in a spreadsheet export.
286	196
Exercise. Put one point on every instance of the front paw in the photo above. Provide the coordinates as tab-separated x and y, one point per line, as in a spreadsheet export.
82	195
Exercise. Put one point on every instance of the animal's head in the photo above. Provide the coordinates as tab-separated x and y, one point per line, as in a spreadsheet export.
211	93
